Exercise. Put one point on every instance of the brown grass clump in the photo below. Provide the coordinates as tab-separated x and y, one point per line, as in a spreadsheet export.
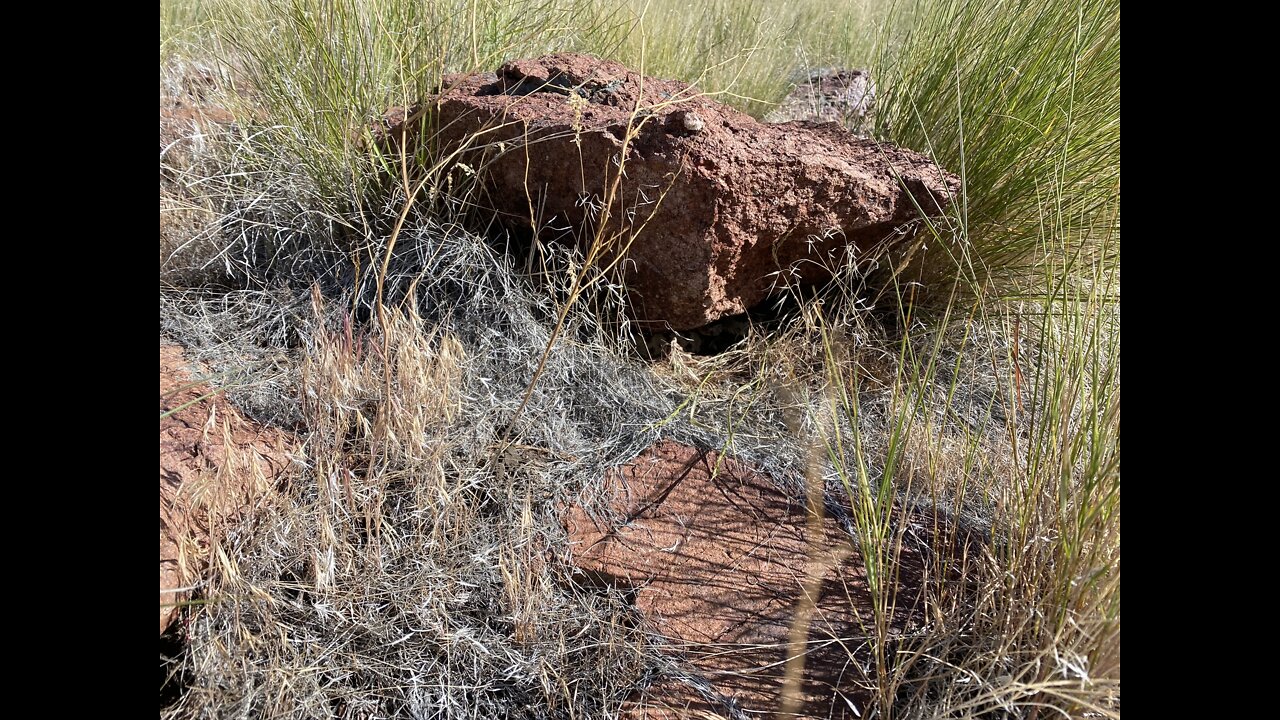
401	574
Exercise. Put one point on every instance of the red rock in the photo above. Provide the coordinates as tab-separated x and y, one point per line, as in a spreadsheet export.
204	484
717	558
717	203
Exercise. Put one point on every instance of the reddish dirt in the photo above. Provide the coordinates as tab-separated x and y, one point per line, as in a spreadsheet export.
187	106
717	558
214	465
726	203
181	119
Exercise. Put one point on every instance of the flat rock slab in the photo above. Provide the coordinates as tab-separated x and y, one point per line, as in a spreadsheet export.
717	558
214	463
833	95
714	210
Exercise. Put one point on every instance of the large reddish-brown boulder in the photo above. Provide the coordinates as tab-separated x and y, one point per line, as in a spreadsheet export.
214	465
718	559
714	210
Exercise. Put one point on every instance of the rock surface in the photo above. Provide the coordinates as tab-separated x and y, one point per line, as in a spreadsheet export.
214	464
714	210
717	558
847	97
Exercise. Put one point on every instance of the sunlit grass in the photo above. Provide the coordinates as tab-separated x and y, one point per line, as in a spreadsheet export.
987	388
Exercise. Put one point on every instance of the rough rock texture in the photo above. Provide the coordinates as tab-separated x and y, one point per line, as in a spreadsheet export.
834	95
214	464
730	208
717	557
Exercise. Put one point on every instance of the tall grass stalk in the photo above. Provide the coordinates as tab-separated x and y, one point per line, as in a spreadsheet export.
1024	100
323	74
1031	623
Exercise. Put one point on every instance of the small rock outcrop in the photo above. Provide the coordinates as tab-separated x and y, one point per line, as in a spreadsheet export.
214	464
717	558
847	97
712	209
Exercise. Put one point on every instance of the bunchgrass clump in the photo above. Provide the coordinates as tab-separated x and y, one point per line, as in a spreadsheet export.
1022	100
